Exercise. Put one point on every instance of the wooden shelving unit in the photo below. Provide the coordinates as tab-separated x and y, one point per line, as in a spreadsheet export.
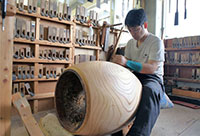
43	88
43	47
183	65
40	65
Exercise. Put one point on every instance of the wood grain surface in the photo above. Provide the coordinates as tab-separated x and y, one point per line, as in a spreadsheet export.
24	110
112	97
6	50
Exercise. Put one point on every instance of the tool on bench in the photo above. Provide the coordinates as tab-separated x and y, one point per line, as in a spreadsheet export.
28	89
3	12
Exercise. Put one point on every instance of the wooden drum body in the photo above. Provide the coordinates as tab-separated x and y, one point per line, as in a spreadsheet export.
96	98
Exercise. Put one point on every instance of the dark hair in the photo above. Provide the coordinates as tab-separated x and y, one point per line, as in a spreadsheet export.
135	17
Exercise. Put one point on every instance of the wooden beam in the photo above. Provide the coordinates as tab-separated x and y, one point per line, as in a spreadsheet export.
6	51
41	96
24	110
116	44
186	93
113	50
133	3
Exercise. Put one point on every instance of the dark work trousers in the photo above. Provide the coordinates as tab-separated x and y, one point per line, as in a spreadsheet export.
149	107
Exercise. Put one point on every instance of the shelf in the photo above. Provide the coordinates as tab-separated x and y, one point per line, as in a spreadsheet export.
50	79
184	79
182	49
35	79
25	13
55	20
40	96
25	80
56	44
42	42
55	62
183	65
186	93
23	40
41	61
88	47
25	60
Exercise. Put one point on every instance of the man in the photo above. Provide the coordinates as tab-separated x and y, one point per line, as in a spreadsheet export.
144	55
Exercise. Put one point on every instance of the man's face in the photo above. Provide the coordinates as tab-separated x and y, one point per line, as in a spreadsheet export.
137	32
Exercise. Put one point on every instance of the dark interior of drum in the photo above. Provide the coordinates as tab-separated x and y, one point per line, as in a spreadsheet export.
70	100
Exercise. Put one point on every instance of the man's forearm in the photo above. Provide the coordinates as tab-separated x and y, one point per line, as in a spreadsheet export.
148	68
145	68
135	66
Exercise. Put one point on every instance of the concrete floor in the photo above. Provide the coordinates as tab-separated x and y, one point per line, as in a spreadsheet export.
178	121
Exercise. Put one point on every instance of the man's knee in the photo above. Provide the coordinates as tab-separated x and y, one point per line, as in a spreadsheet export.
150	95
152	89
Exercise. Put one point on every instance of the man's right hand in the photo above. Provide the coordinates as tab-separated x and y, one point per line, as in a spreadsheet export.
119	59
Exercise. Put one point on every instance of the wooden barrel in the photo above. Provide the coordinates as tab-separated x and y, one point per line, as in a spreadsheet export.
96	98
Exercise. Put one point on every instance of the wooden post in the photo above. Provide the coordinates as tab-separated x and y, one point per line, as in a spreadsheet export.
133	3
24	110
73	39
97	44
6	51
143	4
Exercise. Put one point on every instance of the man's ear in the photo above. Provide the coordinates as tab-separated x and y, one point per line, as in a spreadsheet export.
145	25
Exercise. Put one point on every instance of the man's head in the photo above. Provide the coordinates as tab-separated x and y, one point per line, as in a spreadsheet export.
136	21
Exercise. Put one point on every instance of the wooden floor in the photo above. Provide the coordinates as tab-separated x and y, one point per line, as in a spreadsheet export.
179	121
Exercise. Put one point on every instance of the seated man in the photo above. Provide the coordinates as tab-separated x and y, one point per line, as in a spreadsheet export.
144	55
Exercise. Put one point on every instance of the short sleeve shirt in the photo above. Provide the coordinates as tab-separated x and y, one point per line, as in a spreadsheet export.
151	49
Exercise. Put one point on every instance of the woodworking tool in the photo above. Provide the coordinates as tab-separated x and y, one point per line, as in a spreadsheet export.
3	12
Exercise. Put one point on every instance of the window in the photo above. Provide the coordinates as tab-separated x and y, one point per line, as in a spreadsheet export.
186	27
